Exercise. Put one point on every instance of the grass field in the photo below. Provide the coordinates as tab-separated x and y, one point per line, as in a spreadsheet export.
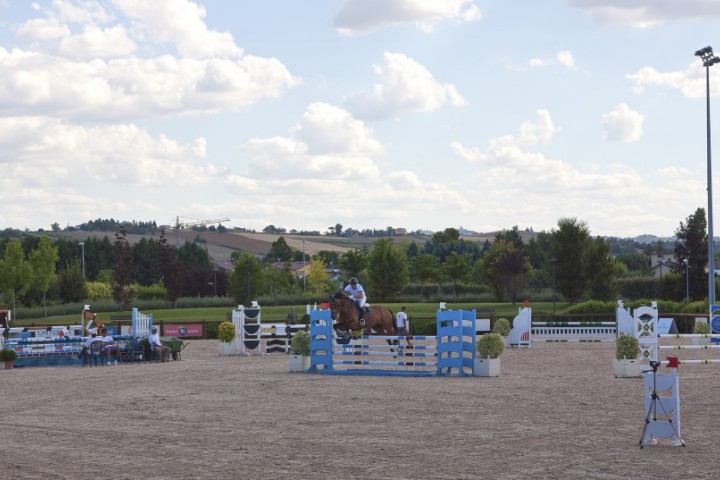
279	313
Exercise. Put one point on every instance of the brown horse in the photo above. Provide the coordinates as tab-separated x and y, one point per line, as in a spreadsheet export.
379	320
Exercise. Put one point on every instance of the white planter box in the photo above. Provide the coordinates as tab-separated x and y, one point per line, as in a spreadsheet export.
225	348
487	367
627	368
299	363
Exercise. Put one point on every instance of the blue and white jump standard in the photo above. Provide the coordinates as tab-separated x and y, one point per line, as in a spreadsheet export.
450	353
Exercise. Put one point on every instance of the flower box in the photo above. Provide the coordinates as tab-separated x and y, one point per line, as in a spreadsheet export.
487	367
627	368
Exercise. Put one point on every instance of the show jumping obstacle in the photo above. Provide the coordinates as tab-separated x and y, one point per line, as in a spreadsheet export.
450	353
252	337
646	331
524	331
61	345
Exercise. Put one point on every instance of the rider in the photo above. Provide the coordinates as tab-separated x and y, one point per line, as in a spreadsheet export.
355	291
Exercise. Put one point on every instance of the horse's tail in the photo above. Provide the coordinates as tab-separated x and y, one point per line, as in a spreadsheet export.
394	320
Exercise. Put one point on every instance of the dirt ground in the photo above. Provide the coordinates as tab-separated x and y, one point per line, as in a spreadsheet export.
556	412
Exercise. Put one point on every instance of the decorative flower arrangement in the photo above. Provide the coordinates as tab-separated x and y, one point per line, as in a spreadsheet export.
226	332
490	345
627	347
502	326
8	355
300	343
701	328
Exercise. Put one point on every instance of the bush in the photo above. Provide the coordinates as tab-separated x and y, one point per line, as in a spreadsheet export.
701	328
300	343
628	347
490	345
226	332
8	355
502	326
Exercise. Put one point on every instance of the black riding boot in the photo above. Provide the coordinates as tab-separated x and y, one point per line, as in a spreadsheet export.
361	320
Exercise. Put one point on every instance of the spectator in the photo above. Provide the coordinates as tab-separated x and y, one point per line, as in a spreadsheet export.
156	345
110	347
401	322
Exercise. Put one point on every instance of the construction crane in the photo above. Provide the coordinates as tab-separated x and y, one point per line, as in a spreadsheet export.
193	222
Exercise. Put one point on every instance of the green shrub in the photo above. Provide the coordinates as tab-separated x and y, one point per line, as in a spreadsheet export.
490	345
300	343
627	347
226	332
502	326
701	328
8	355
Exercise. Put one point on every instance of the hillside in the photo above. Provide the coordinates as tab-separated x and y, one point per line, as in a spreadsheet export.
221	245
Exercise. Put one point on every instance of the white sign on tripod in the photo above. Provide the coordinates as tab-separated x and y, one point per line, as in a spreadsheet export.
662	407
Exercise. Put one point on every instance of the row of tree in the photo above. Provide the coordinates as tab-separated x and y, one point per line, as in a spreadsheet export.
568	259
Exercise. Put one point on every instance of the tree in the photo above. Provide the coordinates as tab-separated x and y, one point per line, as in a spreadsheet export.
145	254
602	279
318	279
457	269
246	279
446	235
568	246
507	269
71	284
423	269
387	269
43	261
279	251
15	271
123	292
170	270
692	245
353	262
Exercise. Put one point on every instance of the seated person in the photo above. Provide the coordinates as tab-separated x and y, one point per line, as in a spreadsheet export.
156	345
110	346
85	352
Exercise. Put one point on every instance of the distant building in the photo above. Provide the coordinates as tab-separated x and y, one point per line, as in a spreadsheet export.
400	231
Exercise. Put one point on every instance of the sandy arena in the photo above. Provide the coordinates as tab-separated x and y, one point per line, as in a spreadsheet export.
556	412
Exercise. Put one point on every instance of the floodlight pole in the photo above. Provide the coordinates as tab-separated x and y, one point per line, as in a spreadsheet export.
709	59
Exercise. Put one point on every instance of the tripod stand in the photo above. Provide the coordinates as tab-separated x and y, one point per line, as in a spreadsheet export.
668	427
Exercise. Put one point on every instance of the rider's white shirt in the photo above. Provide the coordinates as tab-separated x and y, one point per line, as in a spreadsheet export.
357	293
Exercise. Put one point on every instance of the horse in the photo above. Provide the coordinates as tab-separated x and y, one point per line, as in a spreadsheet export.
379	320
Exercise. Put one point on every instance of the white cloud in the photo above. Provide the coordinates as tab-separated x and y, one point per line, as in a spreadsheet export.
690	82
563	58
623	124
648	13
181	23
566	59
132	88
51	152
95	42
43	29
357	17
403	86
521	172
326	143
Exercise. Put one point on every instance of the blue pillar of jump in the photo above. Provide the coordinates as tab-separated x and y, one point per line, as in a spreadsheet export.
321	341
455	342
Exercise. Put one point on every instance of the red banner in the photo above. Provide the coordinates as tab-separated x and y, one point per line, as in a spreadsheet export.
190	330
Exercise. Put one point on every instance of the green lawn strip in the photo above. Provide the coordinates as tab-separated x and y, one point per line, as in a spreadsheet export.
279	313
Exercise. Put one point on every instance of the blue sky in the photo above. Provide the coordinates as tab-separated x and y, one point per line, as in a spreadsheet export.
423	114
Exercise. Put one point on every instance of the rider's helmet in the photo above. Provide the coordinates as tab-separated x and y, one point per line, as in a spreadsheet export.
353	281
